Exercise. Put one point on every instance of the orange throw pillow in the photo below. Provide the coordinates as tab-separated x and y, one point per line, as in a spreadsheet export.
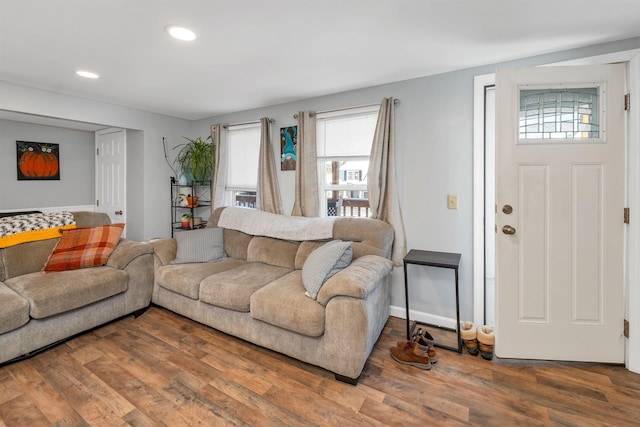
84	247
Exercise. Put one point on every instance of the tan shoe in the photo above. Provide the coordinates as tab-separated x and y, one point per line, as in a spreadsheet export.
411	355
428	349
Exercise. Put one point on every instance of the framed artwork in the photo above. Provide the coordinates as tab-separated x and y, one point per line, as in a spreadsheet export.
37	161
288	145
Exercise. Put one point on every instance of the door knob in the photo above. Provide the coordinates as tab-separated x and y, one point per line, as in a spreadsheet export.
118	212
507	229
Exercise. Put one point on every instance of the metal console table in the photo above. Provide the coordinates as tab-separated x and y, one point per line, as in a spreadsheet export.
434	259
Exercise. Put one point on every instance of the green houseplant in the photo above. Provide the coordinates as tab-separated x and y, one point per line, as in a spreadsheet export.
195	158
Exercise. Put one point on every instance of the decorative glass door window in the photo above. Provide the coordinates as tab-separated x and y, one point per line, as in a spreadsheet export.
562	114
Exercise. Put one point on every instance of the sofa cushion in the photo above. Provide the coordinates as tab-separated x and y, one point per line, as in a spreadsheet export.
84	247
26	258
184	279
49	294
232	289
15	310
205	245
323	263
369	236
283	303
273	251
305	249
236	243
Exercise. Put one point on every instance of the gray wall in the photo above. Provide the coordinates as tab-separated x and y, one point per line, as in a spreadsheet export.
147	187
434	136
434	148
77	165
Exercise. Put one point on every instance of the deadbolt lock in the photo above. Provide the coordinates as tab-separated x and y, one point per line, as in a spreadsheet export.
507	209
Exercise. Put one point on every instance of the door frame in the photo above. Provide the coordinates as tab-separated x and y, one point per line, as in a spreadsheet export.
632	244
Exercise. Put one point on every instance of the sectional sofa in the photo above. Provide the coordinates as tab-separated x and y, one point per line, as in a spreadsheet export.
316	289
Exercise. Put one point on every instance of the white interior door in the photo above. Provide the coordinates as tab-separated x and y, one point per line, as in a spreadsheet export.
560	167
110	174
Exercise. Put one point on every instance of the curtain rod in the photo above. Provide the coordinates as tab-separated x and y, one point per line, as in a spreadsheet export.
254	122
395	102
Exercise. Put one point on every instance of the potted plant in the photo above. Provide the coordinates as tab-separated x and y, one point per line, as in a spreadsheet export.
192	201
195	158
186	220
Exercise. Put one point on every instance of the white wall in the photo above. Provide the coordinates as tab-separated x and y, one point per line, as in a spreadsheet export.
434	136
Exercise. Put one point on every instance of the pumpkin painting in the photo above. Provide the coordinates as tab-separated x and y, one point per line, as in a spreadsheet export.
38	161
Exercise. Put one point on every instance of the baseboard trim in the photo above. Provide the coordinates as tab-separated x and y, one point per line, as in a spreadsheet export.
420	316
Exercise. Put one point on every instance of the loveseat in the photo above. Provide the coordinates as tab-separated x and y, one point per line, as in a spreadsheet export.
254	287
39	309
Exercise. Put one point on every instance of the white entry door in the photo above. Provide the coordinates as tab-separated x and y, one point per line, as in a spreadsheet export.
110	174
560	185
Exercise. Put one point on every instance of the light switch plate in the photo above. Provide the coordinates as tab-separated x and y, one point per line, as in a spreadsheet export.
452	201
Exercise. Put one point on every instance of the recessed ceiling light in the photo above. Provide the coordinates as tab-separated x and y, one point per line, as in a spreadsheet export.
181	33
87	74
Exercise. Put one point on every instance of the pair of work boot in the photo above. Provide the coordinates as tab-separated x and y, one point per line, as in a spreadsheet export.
418	351
479	339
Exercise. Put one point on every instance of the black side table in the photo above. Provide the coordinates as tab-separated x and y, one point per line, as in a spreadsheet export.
433	259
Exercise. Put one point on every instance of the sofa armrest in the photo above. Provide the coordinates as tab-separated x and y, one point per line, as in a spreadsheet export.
127	251
165	249
357	280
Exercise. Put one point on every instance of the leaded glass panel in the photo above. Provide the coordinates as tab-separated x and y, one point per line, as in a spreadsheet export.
567	113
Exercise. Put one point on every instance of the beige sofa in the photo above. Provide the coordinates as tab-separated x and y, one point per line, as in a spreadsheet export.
40	309
256	292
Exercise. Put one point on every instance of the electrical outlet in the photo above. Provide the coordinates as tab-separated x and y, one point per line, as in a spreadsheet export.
452	201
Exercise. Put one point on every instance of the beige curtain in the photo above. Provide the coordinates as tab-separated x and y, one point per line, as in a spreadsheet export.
268	192
219	178
382	185
306	201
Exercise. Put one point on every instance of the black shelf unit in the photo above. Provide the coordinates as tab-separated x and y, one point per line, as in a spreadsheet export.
202	209
441	260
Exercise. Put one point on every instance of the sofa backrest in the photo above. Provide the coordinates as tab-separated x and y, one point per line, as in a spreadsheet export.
30	257
369	237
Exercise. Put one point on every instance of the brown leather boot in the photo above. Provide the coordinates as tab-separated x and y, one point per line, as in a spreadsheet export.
411	355
425	344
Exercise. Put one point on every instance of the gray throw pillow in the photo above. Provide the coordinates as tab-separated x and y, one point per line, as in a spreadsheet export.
323	263
204	245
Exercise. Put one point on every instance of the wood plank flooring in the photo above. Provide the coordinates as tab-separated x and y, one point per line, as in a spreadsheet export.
162	369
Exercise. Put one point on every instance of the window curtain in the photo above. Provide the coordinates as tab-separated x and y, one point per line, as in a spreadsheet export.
306	202
219	178
268	192
381	185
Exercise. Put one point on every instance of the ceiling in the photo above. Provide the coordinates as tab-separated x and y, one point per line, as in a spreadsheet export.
254	53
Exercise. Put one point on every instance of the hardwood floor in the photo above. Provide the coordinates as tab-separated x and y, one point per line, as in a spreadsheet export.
162	369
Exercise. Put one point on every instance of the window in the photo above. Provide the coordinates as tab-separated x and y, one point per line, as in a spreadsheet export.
344	141
242	172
